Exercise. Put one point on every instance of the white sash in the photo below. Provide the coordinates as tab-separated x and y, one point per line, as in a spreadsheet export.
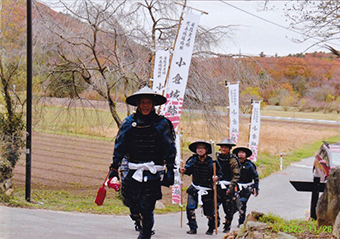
224	183
141	167
201	191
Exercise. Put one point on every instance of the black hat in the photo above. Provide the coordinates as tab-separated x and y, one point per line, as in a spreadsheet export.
244	149
193	146
145	91
226	142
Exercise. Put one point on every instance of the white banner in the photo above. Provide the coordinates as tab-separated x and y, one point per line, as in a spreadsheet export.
233	95
176	188
160	69
179	68
254	131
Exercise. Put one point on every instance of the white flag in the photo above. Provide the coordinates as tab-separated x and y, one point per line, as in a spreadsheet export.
233	95
179	68
160	70
176	188
254	131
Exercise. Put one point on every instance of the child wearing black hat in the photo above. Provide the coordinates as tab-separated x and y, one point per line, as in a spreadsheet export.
200	192
249	179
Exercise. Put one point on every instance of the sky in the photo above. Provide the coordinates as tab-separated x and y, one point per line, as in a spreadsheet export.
255	31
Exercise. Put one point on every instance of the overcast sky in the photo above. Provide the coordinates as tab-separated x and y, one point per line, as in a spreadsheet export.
256	30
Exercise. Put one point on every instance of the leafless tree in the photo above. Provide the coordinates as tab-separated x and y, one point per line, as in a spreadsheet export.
318	20
12	78
108	48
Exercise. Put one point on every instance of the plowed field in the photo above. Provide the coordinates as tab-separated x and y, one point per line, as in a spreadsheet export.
69	163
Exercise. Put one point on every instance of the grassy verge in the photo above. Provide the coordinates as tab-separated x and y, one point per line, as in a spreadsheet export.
84	202
297	227
60	200
268	164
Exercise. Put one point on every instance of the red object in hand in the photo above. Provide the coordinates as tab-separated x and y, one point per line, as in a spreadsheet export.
101	194
113	183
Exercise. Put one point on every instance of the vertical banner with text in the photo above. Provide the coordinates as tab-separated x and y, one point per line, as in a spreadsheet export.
254	131
177	82
233	95
179	68
160	70
176	188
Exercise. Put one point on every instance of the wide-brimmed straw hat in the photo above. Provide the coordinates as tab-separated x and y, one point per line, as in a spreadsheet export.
226	142
145	91
244	149
193	146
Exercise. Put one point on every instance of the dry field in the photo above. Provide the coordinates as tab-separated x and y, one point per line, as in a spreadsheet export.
80	165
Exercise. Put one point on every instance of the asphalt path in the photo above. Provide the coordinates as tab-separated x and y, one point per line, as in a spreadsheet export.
277	195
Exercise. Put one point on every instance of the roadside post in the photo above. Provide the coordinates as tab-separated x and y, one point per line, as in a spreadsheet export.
315	187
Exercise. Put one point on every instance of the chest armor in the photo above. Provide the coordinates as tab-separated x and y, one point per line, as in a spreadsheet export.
202	174
143	145
246	173
227	172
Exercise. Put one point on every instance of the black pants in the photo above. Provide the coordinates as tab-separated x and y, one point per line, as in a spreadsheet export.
229	205
244	196
208	208
141	198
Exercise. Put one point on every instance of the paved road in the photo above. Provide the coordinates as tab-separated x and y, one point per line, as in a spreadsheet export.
276	195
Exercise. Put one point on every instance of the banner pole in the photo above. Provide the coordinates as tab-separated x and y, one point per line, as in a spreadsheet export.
215	186
171	54
181	166
228	109
250	113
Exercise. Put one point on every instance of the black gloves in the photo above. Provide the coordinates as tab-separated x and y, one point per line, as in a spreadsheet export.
169	176
114	173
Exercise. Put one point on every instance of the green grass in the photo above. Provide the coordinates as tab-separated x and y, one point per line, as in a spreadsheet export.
86	122
294	113
69	123
295	227
268	164
60	200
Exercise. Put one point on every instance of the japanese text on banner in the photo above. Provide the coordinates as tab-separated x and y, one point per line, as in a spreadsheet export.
233	112
254	131
160	70
179	68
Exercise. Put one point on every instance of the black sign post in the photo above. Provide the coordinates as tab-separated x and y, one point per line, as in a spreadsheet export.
29	102
315	187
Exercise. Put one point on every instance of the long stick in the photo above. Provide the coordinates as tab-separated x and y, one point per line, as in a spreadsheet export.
215	198
181	166
215	189
181	196
228	109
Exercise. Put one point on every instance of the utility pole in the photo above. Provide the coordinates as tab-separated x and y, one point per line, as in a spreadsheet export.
29	102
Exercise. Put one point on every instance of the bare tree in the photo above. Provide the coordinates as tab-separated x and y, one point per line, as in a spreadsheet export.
12	78
318	20
108	48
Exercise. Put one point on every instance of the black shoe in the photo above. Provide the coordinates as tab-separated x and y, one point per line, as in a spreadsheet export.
210	231
225	230
192	231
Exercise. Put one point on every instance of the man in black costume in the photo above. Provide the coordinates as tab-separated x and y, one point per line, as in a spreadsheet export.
147	140
227	184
